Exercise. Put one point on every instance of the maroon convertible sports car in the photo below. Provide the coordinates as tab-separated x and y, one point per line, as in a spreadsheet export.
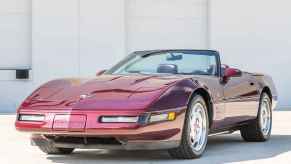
163	99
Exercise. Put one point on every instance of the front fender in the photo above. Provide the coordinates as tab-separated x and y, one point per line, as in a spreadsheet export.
176	96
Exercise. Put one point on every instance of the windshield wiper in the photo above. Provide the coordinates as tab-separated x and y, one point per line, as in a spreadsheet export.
132	71
184	73
137	72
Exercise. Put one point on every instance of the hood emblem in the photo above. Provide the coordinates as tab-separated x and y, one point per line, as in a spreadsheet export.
84	96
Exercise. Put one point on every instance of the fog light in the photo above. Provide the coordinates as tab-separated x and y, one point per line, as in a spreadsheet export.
34	118
119	119
163	117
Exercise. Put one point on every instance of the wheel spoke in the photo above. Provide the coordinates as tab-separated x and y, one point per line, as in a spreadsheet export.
198	126
265	116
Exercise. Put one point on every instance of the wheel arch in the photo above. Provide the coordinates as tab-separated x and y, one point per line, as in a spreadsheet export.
206	96
268	91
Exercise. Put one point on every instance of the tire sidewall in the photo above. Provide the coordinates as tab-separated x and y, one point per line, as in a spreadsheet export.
263	96
196	99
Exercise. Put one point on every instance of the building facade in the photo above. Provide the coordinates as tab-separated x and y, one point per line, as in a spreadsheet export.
70	38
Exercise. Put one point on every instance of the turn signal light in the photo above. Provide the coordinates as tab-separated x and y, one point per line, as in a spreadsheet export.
163	117
171	116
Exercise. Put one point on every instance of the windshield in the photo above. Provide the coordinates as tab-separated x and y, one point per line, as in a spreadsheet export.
189	63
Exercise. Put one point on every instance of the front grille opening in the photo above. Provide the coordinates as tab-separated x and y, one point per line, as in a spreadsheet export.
84	140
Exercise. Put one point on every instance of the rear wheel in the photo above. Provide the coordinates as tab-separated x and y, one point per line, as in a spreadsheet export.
195	132
260	129
49	148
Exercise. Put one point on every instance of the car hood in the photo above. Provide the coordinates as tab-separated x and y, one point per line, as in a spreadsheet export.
106	92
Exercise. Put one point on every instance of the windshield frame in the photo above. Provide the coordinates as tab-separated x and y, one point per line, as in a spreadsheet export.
156	52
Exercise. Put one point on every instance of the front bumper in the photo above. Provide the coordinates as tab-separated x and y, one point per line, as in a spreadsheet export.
39	140
132	136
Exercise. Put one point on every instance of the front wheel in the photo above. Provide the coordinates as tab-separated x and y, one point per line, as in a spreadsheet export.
195	132
260	129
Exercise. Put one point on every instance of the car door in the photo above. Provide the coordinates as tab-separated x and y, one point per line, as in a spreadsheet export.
213	86
241	98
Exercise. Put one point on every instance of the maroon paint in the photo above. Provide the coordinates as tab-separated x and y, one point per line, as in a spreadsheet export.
233	101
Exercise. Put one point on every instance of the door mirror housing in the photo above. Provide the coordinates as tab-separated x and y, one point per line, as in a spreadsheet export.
231	72
100	72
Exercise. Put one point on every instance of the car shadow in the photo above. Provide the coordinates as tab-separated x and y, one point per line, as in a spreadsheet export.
221	149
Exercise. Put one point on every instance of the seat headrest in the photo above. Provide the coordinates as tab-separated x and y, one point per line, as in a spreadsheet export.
168	68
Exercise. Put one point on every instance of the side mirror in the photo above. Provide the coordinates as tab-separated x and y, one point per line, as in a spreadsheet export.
231	72
100	72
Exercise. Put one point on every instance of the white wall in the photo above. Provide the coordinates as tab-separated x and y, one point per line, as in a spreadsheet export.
166	24
69	38
102	34
66	38
85	37
55	39
15	35
15	50
254	35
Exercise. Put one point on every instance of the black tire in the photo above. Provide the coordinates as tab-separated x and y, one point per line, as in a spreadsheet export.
253	132
185	150
48	148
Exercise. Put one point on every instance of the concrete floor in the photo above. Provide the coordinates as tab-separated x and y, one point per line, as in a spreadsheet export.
15	149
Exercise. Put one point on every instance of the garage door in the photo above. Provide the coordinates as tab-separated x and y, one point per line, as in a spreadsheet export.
15	40
159	24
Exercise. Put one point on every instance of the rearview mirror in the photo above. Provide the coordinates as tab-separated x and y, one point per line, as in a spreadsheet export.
100	72
174	57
